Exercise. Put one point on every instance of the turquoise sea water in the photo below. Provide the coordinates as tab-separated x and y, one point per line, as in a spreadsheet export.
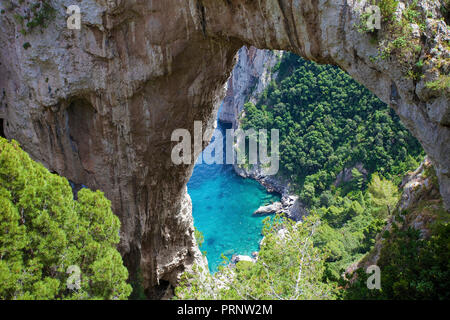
223	204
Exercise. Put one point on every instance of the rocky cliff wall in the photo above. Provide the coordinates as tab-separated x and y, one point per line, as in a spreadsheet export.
99	105
250	76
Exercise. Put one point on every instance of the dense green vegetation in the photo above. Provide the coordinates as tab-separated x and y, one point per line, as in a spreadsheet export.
328	122
302	260
48	241
412	267
350	224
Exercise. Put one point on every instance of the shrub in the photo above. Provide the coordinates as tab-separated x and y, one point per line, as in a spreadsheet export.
388	8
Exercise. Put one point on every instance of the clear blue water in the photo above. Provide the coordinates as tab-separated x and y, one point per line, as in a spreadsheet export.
223	204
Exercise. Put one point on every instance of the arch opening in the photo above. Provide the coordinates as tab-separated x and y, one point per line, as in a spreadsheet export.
2	128
331	117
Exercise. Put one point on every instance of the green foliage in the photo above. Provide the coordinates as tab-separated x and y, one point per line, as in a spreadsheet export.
440	84
430	172
288	267
412	268
396	39
362	26
199	237
357	181
412	14
348	230
388	8
328	122
43	232
37	14
42	13
383	195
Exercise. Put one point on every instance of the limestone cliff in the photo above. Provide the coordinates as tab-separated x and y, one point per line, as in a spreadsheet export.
250	76
98	105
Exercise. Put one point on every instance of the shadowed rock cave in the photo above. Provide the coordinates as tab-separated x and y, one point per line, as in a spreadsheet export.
2	128
81	122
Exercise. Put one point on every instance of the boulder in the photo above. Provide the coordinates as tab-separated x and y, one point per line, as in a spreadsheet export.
237	258
269	209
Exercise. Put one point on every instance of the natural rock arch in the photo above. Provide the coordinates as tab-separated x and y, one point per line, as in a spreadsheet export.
149	67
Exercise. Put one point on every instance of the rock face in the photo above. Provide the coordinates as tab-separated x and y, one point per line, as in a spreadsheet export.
98	105
249	78
290	203
269	209
417	186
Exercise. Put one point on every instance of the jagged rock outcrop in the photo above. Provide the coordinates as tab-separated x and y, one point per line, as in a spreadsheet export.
417	186
99	105
290	203
250	77
275	207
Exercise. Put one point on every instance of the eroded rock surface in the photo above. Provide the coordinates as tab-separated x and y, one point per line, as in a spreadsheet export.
99	105
250	77
273	208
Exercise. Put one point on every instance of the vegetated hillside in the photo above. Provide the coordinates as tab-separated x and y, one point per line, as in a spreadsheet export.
306	260
51	246
328	123
132	91
412	250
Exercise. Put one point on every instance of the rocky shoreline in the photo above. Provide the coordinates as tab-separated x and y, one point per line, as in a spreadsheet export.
290	203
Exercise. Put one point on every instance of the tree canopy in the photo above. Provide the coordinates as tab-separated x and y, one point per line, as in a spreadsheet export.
51	246
329	122
288	268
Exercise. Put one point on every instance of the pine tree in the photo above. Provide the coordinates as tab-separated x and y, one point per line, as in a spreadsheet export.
51	246
383	195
